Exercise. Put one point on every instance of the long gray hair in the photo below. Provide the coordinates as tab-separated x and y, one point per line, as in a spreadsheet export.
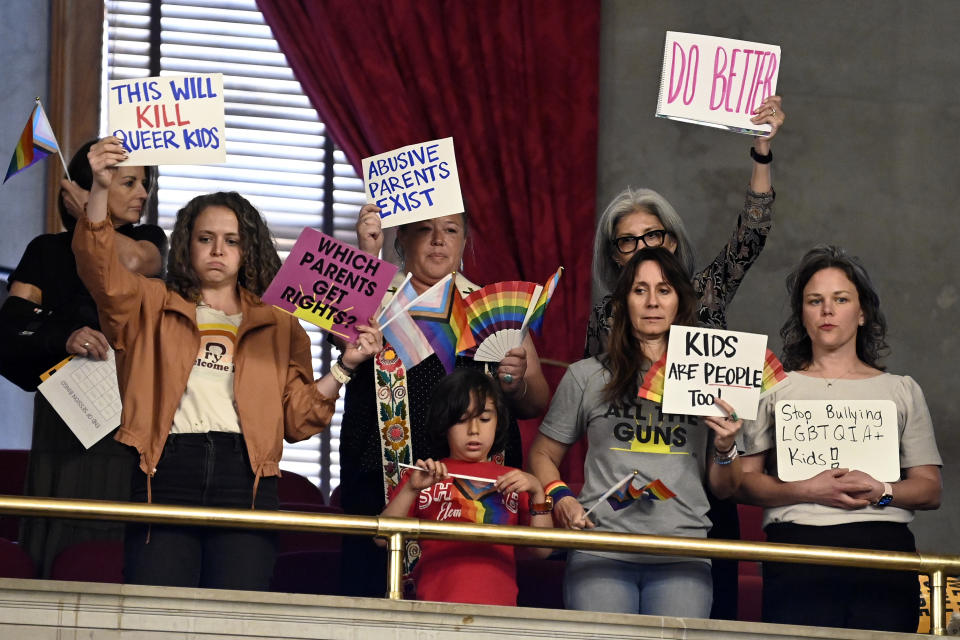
605	269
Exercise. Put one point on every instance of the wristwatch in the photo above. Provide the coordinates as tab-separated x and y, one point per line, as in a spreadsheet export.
886	497
542	508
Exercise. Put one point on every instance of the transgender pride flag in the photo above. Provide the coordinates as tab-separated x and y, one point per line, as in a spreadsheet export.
402	332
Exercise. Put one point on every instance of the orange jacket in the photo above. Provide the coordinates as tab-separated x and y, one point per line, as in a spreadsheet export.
155	335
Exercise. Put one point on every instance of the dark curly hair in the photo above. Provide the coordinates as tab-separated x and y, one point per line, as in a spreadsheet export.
259	259
450	404
82	174
871	337
624	358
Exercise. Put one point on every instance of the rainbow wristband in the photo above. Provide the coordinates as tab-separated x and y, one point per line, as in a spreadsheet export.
558	489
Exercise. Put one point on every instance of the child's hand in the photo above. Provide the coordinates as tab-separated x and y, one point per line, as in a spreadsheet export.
433	472
520	482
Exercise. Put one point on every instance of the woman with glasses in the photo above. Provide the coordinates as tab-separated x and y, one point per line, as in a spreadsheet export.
639	218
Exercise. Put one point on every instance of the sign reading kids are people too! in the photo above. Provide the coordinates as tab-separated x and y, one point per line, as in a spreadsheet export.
416	182
716	82
705	364
169	119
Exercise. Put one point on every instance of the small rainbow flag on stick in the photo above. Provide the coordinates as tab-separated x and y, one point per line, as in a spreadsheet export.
652	386
36	143
441	317
536	318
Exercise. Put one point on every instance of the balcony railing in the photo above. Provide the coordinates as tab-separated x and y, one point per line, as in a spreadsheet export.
396	530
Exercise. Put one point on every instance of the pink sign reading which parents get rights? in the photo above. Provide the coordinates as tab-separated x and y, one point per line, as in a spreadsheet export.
330	284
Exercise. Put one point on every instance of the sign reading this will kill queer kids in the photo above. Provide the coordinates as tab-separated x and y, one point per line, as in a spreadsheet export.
330	284
815	435
716	82
417	182
169	119
706	364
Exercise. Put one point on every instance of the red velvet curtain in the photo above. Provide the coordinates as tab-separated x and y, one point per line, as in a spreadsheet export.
513	81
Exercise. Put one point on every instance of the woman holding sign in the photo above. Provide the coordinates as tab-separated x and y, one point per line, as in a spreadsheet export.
373	435
645	470
833	341
639	218
50	315
212	380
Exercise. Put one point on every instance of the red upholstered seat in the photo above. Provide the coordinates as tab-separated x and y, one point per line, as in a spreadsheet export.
90	561
14	561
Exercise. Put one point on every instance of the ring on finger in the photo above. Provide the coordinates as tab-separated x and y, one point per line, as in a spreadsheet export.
733	417
86	345
773	111
508	378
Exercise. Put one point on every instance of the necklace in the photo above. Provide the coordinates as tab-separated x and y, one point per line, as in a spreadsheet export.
830	381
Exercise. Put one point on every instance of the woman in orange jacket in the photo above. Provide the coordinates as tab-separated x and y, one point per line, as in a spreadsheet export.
211	378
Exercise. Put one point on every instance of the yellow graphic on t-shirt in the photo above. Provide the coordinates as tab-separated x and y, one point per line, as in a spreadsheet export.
648	433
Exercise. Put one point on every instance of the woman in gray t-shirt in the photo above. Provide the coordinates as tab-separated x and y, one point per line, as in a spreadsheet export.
598	397
832	345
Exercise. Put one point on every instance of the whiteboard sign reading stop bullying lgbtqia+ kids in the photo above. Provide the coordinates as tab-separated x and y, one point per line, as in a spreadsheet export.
416	182
716	82
706	364
816	435
169	119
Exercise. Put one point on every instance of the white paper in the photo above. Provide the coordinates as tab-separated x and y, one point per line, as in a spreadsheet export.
716	82
169	119
815	435
85	395
703	364
416	182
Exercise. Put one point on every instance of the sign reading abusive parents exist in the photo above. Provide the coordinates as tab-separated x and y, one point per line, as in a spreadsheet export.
706	364
815	435
330	284
414	183
716	82
169	119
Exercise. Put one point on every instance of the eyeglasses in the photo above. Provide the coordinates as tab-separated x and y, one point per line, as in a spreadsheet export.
628	244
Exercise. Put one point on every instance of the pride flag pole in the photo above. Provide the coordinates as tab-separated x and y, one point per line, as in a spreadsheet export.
610	491
59	152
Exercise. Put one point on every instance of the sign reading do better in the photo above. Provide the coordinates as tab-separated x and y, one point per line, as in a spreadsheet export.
417	182
706	364
815	435
169	119
716	82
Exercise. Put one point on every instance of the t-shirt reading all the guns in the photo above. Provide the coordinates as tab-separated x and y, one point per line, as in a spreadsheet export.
208	402
468	572
632	434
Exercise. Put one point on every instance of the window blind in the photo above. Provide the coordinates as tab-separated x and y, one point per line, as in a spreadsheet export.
279	154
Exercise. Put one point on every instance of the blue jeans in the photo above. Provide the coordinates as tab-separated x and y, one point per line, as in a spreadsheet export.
212	470
595	583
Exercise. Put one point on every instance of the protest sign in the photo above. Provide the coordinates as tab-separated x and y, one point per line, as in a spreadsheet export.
814	435
169	119
716	82
330	284
417	182
706	364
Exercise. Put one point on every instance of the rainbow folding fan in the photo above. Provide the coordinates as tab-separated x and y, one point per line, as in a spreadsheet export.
498	315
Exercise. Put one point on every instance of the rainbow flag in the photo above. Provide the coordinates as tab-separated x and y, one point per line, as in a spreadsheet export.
36	142
625	496
402	333
536	319
773	373
440	314
652	386
497	314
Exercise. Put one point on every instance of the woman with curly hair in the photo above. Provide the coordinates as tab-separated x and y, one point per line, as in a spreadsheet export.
833	341
211	378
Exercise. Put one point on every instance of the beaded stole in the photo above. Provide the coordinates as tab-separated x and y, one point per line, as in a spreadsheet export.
393	416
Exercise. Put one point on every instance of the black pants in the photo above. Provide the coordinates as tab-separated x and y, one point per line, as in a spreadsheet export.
842	597
211	470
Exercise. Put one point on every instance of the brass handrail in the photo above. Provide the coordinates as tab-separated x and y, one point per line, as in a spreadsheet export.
396	530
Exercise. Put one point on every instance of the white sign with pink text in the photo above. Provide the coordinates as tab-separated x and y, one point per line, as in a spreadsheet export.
716	82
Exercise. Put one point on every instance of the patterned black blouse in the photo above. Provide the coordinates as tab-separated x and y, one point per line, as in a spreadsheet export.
715	285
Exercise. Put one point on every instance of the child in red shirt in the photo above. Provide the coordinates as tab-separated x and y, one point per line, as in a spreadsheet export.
468	415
